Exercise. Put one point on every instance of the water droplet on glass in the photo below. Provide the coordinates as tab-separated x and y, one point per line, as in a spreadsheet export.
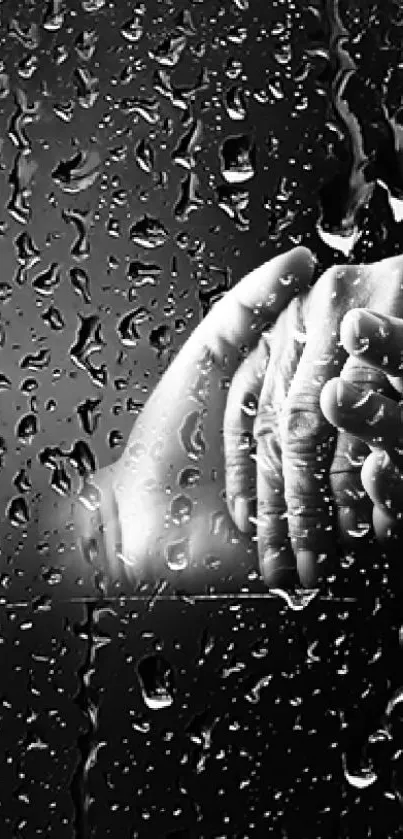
360	778
18	511
177	555
156	682
297	600
191	435
361	531
238	159
181	509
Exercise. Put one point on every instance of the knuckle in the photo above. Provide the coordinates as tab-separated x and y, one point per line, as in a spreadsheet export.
312	510
269	457
269	508
239	450
359	373
238	475
303	425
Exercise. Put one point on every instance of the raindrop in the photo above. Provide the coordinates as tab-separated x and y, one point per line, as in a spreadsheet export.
20	179
28	66
53	318
132	29
148	233
191	435
92	5
299	599
18	512
80	282
54	15
156	682
361	531
27	35
79	172
396	699
160	338
64	110
82	219
177	555
87	87
189	477
360	778
238	159
85	44
45	282
60	54
27	428
37	361
181	509
254	694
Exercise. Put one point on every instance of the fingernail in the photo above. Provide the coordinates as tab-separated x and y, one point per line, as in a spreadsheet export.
278	567
307	568
372	324
244	508
368	326
347	395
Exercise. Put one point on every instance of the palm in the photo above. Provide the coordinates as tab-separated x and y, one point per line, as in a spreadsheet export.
163	502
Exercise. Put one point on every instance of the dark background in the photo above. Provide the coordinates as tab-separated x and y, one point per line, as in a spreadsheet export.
240	130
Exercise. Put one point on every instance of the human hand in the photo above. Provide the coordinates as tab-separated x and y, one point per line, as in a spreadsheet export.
373	418
163	501
307	476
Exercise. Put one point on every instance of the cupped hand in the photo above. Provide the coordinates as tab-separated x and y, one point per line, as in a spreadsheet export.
308	476
162	505
374	419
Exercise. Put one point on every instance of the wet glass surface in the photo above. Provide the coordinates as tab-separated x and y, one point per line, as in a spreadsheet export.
151	155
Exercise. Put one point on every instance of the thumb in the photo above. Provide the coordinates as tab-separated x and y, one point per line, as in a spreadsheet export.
236	322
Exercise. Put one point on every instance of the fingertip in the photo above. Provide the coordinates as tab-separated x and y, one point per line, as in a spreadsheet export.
383	481
372	467
307	568
306	256
349	330
278	567
387	528
328	400
306	253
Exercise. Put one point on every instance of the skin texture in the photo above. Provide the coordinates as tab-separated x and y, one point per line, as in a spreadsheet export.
155	527
308	476
377	340
310	468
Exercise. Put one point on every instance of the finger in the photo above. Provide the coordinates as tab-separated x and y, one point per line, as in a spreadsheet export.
376	339
307	438
354	508
277	561
374	418
384	484
238	319
239	443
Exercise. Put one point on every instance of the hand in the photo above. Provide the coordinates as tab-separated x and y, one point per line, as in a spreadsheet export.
308	477
163	501
376	420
